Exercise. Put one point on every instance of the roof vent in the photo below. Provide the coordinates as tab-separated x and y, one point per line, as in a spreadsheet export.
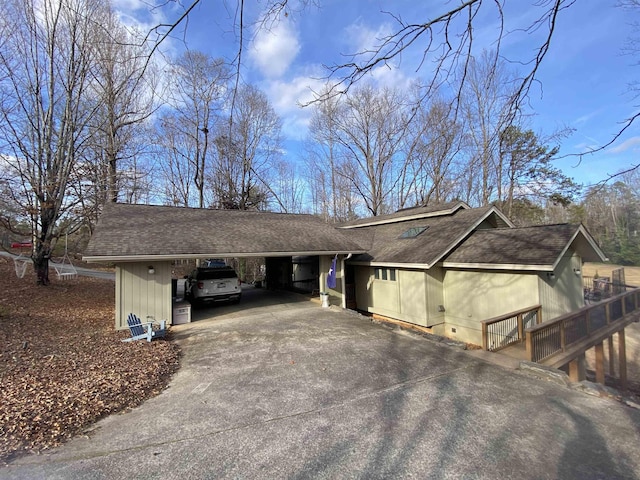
413	232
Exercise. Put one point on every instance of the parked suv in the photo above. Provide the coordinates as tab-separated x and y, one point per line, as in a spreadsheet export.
216	284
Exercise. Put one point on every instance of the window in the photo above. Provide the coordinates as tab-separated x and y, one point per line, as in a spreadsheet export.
413	232
388	274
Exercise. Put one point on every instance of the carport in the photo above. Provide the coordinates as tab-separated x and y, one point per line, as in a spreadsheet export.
143	240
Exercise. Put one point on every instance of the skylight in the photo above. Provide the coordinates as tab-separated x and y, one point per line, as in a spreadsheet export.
413	232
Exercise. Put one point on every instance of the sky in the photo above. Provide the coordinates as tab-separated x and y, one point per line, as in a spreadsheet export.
583	83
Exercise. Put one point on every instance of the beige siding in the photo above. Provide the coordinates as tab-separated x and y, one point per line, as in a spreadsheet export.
377	296
364	291
335	294
412	296
471	297
563	293
435	296
142	293
415	295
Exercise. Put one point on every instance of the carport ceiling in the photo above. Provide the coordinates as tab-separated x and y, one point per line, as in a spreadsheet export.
127	233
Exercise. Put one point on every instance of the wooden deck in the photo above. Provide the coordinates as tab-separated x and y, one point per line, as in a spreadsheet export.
563	341
517	351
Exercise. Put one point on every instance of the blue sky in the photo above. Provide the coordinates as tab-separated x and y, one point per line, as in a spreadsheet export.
583	82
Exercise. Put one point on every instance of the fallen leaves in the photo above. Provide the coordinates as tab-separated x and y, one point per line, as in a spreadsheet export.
62	363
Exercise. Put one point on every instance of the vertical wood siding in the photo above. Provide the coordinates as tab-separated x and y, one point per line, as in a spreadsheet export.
562	294
471	297
146	295
435	296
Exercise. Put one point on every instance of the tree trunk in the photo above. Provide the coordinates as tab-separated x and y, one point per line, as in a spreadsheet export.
41	266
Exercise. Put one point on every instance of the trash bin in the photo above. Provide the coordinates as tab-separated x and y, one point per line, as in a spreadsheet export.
181	313
324	297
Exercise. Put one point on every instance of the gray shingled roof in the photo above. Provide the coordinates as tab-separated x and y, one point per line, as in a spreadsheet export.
127	231
536	246
425	211
443	234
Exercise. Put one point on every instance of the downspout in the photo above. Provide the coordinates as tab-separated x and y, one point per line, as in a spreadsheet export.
344	280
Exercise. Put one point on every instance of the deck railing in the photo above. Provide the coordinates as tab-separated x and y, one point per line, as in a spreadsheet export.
500	332
581	328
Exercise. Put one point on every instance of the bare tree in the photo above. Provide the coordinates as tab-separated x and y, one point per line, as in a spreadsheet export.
485	103
247	148
612	214
370	130
433	141
123	83
324	151
198	86
286	188
175	152
46	69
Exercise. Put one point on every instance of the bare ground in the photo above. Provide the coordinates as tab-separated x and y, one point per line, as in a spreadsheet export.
62	363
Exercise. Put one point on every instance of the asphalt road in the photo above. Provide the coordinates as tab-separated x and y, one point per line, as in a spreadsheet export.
286	389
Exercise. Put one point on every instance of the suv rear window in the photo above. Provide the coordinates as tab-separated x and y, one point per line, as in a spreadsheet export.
216	273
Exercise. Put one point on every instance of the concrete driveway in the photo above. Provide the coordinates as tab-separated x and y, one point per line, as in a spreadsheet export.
291	390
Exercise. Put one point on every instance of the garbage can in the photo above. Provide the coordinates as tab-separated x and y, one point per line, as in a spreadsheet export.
181	313
324	297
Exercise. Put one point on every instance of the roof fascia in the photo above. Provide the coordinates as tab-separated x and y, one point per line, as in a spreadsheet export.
503	217
190	256
583	231
497	266
416	216
458	240
587	236
417	266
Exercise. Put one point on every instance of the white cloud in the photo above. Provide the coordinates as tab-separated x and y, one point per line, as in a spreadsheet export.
626	145
587	117
274	50
365	39
287	98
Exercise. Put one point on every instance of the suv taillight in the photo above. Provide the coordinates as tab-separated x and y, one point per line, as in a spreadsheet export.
200	285
239	282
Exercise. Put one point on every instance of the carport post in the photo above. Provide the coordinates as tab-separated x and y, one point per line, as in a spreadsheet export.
343	281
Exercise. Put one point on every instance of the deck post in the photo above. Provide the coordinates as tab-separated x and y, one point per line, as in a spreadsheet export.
485	337
622	360
600	363
612	357
520	327
577	370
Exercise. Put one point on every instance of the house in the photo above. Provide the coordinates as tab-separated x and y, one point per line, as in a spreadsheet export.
447	266
143	240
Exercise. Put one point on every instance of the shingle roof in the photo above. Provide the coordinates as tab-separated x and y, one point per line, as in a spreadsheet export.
141	231
535	246
444	233
408	213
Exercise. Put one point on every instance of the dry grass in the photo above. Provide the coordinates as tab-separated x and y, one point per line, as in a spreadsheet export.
632	332
632	274
63	365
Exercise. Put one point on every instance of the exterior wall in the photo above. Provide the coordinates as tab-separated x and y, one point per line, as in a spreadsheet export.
413	297
305	273
472	296
435	296
562	294
336	296
142	293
